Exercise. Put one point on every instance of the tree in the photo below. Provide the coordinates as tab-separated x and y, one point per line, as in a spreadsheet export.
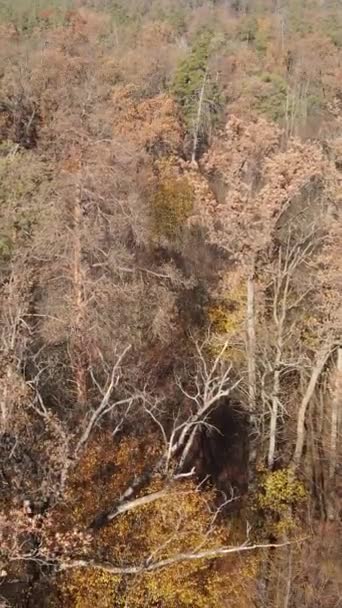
196	91
261	219
170	531
170	317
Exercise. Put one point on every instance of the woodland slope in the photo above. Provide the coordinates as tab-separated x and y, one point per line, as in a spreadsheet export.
170	303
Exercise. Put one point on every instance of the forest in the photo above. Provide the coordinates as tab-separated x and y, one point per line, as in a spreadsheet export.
170	303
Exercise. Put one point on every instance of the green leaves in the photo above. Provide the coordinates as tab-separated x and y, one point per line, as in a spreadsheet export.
189	80
27	15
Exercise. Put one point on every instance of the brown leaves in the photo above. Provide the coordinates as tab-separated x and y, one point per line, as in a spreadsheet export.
150	123
257	181
15	395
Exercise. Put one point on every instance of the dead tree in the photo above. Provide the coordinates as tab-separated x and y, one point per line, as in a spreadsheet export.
212	383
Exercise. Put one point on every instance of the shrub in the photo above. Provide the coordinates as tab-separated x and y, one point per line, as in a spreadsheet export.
280	492
172	203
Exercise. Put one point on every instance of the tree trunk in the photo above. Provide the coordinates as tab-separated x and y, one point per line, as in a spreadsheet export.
322	358
252	380
336	403
77	349
276	388
274	417
198	117
251	344
279	320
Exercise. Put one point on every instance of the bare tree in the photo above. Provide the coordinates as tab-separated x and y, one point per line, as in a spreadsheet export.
251	343
150	565
285	300
198	120
335	429
321	359
70	444
65	551
212	384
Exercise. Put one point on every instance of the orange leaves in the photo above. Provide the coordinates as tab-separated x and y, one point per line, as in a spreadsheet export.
155	34
87	23
257	181
151	123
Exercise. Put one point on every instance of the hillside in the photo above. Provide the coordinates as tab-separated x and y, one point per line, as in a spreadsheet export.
170	303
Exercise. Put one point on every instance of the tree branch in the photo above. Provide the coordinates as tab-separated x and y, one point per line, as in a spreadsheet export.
153	566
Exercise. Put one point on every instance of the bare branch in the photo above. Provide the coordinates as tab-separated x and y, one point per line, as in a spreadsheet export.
151	566
322	357
137	502
103	407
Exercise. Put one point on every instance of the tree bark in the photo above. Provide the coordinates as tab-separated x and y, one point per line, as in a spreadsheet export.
251	365
321	360
77	349
336	403
251	343
274	418
279	316
198	117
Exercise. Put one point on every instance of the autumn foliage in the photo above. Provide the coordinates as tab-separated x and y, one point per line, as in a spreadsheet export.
170	303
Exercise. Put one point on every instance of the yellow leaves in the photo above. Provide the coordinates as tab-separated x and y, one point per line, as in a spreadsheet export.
280	492
227	320
310	334
183	585
183	516
181	521
263	34
103	472
171	205
239	582
281	488
89	588
228	317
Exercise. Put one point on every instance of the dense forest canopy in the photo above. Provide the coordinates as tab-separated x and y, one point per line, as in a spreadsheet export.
170	303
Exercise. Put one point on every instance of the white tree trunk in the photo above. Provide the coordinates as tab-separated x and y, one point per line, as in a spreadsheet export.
321	360
276	389
336	407
78	279
279	317
251	364
199	117
274	419
251	344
